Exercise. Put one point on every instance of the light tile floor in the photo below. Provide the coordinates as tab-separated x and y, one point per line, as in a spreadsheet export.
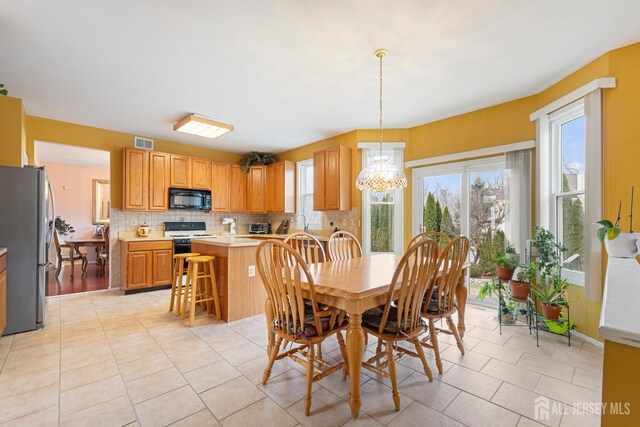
105	359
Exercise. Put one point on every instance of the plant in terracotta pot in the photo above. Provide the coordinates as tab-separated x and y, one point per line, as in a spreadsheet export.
521	287
506	266
553	297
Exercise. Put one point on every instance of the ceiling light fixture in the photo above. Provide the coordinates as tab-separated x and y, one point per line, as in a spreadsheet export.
380	175
202	126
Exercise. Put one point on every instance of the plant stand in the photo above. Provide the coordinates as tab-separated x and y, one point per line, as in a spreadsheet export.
524	315
562	327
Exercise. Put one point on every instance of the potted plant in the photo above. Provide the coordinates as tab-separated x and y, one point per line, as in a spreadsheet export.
3	91
506	266
618	244
508	312
521	287
551	289
510	251
63	227
256	158
508	309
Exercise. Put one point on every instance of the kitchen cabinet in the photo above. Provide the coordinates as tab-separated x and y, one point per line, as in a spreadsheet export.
220	184
136	179
256	189
180	171
3	292
159	176
146	264
238	188
280	187
201	174
332	179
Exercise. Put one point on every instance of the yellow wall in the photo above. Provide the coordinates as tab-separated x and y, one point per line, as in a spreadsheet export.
621	376
40	129
12	137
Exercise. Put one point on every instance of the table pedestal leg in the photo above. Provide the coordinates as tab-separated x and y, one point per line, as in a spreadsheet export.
269	316
461	300
355	348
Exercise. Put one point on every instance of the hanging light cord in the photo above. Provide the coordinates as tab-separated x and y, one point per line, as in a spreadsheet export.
380	55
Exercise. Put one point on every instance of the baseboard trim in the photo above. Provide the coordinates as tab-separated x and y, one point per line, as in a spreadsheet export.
588	339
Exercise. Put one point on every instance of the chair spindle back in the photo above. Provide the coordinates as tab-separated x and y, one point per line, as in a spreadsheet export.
343	245
307	246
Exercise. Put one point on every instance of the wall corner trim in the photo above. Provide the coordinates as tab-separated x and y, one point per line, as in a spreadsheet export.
600	83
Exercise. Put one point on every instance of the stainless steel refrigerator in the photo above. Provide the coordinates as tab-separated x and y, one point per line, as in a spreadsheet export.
26	208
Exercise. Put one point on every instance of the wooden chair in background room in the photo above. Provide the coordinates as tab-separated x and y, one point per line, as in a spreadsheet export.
307	246
441	239
399	319
281	268
343	245
70	257
103	253
442	303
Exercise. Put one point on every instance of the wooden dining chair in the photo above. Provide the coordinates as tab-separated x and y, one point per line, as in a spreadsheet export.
343	245
281	269
103	253
441	239
307	246
442	303
71	256
399	319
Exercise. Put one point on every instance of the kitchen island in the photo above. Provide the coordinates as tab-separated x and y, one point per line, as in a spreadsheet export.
239	287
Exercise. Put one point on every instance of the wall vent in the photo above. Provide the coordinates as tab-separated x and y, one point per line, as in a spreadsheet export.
144	143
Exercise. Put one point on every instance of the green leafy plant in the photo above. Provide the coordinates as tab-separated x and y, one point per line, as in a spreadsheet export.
510	250
549	262
505	261
3	91
608	229
63	227
256	158
528	274
552	293
490	289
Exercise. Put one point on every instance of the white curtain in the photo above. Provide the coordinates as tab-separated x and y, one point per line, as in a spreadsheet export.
518	165
593	194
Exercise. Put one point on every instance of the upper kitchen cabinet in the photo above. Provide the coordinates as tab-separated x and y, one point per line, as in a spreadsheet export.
256	189
220	184
136	179
332	179
201	174
238	189
180	171
159	176
280	188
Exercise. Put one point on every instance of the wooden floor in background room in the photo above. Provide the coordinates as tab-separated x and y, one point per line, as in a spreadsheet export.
93	281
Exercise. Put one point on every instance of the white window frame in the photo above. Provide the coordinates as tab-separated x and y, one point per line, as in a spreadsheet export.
300	167
368	150
556	120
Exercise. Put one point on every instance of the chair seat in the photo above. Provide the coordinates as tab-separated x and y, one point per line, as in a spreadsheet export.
310	327
75	256
372	319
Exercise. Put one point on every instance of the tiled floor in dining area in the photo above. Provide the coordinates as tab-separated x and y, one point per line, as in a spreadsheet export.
114	360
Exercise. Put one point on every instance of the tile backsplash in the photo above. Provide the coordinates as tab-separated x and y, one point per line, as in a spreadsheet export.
128	221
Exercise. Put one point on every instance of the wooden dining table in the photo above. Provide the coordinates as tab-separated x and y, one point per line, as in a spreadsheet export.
355	286
75	244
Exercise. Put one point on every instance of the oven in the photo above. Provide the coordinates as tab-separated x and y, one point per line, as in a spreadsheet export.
181	245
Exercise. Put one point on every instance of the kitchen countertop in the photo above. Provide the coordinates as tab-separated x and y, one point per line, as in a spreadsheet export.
144	239
621	299
228	241
3	251
278	236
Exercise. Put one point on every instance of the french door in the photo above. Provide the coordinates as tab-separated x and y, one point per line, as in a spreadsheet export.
465	198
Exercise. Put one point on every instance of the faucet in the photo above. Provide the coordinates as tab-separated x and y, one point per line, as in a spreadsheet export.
304	223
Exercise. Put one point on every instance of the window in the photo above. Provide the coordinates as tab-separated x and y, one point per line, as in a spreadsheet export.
382	223
305	195
567	149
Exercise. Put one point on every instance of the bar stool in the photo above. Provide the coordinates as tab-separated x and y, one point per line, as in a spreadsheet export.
178	273
200	290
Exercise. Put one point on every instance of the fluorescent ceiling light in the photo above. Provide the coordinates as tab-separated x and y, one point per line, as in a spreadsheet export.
202	126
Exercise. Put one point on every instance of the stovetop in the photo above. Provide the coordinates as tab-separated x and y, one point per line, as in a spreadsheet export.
186	230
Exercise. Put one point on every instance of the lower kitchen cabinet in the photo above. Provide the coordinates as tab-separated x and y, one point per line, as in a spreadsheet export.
146	264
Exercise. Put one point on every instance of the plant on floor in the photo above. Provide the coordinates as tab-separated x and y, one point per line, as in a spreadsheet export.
256	158
3	91
63	227
551	290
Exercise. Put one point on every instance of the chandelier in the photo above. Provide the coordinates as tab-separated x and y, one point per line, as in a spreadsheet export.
380	175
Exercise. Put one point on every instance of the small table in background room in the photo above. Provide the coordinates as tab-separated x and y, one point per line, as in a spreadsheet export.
76	244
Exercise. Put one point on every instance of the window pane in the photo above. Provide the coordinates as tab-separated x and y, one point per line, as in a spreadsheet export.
313	217
381	228
381	197
571	228
441	205
573	143
308	180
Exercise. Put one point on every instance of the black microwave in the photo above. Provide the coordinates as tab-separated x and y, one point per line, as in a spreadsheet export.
187	199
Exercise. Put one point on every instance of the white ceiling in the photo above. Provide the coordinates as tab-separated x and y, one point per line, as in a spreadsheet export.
48	152
289	72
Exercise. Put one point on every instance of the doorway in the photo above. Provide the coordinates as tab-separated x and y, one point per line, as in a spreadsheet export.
465	198
80	180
